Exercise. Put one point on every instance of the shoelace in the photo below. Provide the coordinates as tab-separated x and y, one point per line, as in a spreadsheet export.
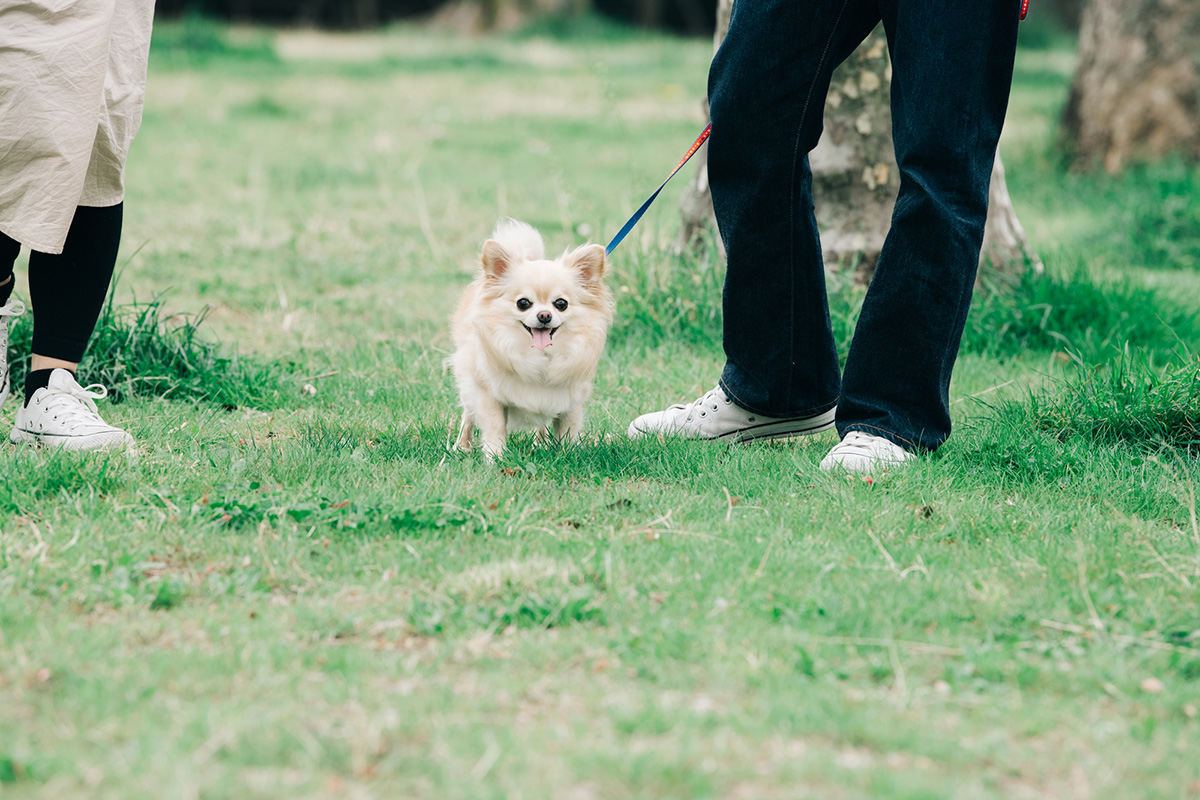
13	308
858	443
83	409
708	399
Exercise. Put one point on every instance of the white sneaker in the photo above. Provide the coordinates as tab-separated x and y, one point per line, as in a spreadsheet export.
714	416
864	452
13	308
64	414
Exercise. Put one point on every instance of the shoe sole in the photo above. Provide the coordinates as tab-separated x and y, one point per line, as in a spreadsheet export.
782	429
98	441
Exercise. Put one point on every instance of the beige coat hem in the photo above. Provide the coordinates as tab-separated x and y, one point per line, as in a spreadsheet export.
13	232
72	87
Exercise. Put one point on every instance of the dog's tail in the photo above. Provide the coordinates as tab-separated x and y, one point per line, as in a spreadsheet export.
520	239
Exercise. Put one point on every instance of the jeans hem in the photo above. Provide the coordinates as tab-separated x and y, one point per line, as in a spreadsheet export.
804	412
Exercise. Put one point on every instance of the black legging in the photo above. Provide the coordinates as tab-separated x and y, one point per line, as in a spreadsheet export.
9	250
67	291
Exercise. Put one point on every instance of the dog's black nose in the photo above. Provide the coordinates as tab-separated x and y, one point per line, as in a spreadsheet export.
544	317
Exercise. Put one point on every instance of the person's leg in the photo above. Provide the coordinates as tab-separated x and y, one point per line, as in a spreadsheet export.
9	250
67	292
767	90
952	68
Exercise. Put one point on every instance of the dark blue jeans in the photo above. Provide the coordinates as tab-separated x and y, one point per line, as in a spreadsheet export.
952	64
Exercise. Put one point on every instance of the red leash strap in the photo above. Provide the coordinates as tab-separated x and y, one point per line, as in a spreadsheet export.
1024	8
703	138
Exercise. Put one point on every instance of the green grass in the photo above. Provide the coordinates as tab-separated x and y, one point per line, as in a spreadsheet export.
308	595
1131	401
138	350
196	41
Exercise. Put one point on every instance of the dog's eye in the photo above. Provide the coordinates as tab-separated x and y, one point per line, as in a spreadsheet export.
523	304
560	304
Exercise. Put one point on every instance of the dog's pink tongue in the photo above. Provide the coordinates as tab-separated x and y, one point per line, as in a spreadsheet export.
541	338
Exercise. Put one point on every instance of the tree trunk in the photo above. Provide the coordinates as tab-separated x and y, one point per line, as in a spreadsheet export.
695	207
855	178
1006	252
1136	91
1067	12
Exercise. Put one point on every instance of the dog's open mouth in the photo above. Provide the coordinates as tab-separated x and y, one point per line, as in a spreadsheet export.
541	336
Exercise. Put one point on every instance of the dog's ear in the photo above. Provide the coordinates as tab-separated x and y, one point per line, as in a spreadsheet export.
496	258
589	261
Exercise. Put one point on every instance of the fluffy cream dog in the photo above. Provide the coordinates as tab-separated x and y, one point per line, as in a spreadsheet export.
528	334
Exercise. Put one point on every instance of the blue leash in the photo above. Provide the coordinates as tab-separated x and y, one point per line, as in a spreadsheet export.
638	214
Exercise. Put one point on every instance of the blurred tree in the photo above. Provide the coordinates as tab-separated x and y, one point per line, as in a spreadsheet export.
1066	12
480	16
855	177
696	204
693	17
1136	91
330	13
684	16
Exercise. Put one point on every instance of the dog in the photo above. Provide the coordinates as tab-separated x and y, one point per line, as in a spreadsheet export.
528	334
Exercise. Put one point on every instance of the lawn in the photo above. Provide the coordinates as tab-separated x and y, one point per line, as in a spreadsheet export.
294	589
